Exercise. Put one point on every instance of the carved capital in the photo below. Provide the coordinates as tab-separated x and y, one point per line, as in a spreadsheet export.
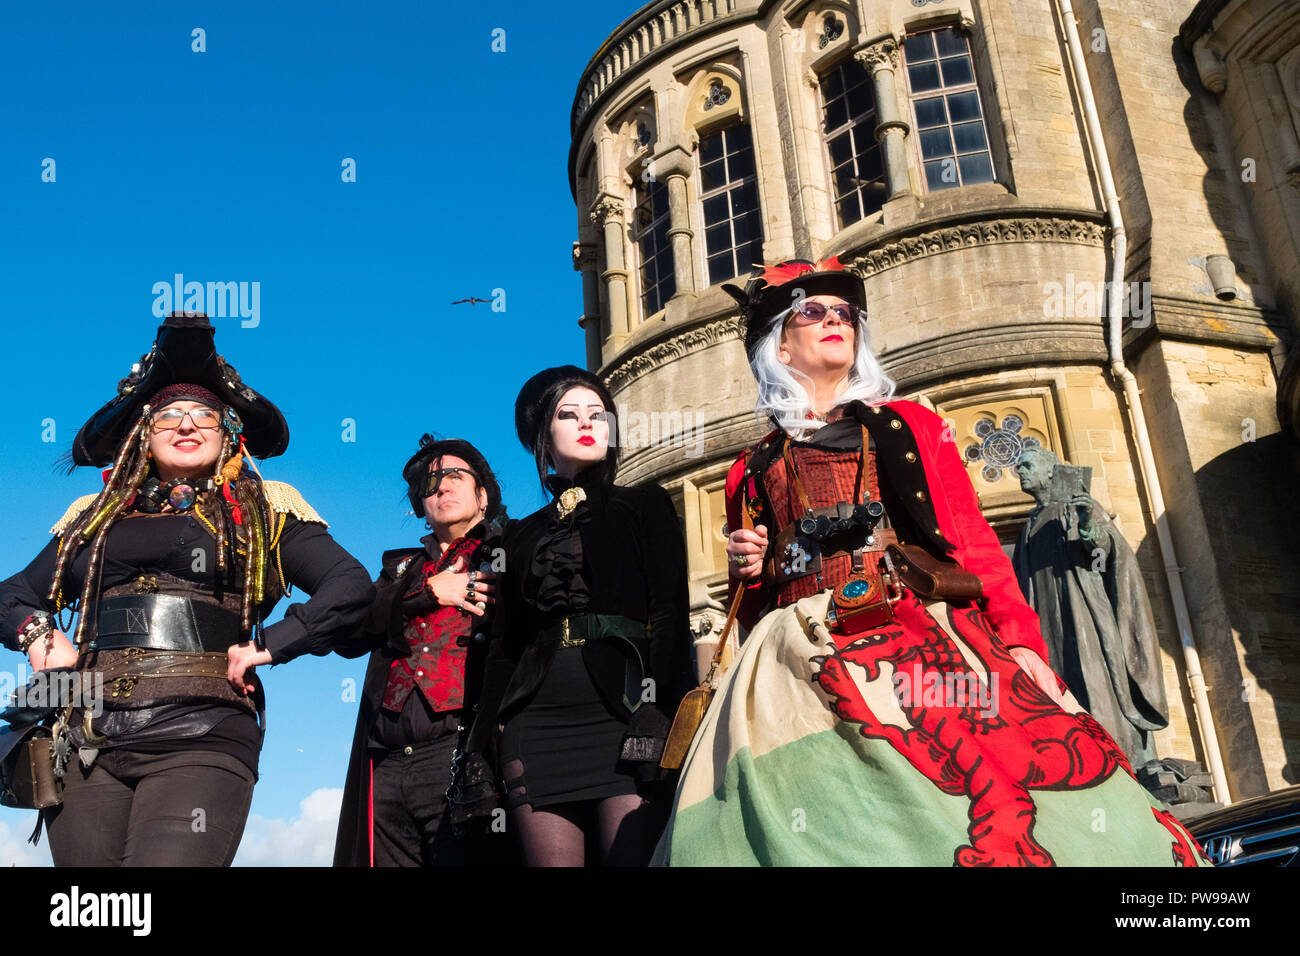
606	207
879	55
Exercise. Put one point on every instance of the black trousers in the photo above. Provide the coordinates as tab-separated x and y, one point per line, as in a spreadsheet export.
411	824
186	808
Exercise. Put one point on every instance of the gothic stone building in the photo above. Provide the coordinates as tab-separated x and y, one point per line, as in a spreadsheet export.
1007	175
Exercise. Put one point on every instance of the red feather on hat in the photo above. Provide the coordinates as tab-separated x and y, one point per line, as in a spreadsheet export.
785	271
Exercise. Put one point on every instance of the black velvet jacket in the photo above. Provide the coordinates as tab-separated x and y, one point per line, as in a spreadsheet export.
632	563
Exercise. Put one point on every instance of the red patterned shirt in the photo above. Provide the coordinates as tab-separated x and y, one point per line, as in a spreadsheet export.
438	642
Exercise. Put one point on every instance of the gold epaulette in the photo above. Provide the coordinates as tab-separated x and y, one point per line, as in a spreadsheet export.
74	509
285	499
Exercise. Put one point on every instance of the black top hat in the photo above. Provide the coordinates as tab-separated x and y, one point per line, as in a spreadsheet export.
772	290
184	351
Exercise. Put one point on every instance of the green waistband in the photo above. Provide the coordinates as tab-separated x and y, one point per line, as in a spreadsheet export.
593	627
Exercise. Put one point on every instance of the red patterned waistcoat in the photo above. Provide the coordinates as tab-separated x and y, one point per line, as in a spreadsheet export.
438	646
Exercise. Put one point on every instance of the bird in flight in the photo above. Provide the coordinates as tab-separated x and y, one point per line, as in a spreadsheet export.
471	300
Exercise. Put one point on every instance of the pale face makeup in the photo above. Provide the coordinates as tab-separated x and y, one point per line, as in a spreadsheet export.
579	431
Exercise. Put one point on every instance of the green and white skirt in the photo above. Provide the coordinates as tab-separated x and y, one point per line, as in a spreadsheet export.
920	743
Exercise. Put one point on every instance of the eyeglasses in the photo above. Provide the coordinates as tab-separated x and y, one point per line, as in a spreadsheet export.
813	312
169	419
456	475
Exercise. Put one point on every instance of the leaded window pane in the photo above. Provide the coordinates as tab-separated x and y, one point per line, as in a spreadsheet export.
729	200
650	232
849	122
924	77
951	135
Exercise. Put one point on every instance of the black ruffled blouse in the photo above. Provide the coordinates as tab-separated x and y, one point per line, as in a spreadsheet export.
619	552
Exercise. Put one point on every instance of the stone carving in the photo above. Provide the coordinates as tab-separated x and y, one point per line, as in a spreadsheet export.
883	54
924	244
604	208
1000	446
702	336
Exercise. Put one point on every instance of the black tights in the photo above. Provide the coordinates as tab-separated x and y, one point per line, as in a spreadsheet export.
626	830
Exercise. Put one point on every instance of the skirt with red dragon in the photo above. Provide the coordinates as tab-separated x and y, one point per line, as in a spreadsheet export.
921	742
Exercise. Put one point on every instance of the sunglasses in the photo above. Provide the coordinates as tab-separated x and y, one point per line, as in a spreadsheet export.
456	475
813	312
169	419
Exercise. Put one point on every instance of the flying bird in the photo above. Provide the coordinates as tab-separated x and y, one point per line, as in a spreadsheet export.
470	300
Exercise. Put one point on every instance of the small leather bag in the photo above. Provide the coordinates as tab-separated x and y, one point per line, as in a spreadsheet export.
27	780
931	578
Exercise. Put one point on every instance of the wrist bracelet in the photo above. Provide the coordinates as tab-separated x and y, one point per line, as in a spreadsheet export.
39	624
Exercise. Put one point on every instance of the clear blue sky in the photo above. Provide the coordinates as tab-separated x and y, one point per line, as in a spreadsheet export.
225	165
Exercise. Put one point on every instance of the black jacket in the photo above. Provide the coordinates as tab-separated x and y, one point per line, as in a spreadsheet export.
382	636
633	564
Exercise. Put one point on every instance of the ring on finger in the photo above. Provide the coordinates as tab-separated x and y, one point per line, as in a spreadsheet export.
740	560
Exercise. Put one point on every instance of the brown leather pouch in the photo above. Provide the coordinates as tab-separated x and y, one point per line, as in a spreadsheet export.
931	578
29	782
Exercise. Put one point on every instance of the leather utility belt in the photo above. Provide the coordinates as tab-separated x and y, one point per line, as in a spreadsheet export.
163	622
628	632
135	665
843	528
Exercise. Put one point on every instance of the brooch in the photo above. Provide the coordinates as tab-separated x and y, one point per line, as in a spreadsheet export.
569	499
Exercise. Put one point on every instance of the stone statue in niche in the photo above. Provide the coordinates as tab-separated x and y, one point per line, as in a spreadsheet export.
1080	575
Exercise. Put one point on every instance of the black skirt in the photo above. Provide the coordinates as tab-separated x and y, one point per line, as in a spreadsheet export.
567	740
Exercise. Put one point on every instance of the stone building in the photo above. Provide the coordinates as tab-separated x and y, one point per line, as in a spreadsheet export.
1007	175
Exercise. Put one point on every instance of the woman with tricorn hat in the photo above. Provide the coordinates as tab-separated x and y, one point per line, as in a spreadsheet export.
891	704
172	568
591	647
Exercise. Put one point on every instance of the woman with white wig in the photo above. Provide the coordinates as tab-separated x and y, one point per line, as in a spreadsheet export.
891	704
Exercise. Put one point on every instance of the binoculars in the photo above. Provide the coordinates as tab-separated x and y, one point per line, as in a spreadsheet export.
846	518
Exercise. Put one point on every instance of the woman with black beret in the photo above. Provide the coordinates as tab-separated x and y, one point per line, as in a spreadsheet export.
590	655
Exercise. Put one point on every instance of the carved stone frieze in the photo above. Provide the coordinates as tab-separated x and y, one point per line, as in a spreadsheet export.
645	361
908	248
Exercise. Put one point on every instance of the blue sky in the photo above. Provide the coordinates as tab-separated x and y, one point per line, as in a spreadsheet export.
225	166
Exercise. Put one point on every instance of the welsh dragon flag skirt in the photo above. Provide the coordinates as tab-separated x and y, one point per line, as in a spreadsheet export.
921	743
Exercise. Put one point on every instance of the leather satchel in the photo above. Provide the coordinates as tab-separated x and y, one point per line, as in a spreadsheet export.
932	578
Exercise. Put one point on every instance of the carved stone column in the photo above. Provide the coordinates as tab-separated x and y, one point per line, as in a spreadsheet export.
584	261
607	213
675	167
881	58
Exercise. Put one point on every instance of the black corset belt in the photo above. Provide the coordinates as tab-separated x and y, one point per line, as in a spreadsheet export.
163	622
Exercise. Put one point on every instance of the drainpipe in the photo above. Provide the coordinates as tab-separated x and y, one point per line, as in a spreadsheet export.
1137	417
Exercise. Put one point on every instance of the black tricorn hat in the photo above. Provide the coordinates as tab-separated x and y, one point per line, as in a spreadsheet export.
184	351
772	290
528	410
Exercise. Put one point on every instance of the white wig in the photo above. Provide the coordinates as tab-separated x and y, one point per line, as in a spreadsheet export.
783	398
